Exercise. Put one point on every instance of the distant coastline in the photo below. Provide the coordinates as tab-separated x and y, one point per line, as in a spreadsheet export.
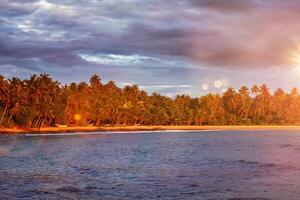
134	129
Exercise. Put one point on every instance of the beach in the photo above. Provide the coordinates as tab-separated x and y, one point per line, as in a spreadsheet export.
143	128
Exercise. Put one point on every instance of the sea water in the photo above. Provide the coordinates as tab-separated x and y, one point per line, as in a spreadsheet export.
151	165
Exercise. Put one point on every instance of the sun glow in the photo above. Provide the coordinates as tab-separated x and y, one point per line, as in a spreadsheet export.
294	56
296	60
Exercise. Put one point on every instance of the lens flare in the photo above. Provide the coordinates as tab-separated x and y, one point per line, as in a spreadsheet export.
77	117
218	84
273	71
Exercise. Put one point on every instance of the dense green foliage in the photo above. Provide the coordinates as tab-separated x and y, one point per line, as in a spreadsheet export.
42	102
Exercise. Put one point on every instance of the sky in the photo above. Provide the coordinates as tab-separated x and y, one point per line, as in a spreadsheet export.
171	47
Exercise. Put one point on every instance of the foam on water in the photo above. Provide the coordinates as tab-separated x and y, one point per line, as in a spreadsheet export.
114	132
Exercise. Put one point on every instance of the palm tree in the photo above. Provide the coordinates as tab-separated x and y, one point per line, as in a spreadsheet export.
279	106
4	97
292	106
230	100
95	81
255	90
294	92
17	98
256	106
245	103
212	109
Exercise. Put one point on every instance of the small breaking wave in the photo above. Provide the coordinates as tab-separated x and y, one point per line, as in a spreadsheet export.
115	132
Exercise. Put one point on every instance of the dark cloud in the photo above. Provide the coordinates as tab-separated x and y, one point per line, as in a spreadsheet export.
14	8
228	5
241	34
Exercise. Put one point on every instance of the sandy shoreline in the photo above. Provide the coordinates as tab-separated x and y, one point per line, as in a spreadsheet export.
140	128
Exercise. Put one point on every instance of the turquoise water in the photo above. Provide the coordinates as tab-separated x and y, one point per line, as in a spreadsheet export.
158	165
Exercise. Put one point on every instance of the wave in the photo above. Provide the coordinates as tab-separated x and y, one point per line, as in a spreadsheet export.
114	132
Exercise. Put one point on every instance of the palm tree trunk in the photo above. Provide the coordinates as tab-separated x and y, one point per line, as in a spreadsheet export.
37	121
9	118
4	112
42	124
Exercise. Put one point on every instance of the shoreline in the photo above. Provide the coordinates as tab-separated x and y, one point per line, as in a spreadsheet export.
145	128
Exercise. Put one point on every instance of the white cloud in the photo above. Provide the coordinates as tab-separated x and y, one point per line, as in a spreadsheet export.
113	59
205	87
164	86
118	59
170	94
56	9
125	84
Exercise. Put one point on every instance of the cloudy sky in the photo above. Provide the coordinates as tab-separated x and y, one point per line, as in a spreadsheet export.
171	47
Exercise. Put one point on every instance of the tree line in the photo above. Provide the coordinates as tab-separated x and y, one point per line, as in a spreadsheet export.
41	101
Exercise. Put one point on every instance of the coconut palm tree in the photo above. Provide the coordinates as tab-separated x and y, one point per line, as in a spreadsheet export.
4	97
245	102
